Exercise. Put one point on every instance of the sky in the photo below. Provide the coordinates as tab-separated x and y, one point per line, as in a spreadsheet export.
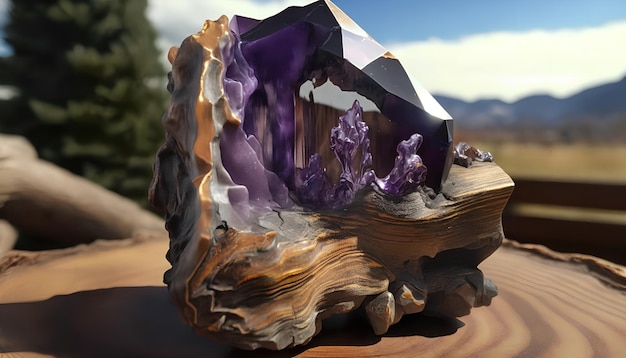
466	49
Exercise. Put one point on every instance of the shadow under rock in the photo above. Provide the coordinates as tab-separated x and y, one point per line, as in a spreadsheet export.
352	329
121	321
425	326
140	321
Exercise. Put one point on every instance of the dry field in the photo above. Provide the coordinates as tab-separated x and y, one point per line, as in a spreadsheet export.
564	162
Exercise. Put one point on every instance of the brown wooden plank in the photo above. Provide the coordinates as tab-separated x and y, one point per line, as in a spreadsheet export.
586	195
106	300
604	240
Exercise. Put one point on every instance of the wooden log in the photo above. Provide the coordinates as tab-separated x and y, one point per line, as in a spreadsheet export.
107	299
13	146
49	202
8	237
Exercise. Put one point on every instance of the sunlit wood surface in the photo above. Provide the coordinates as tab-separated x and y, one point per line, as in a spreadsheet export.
107	300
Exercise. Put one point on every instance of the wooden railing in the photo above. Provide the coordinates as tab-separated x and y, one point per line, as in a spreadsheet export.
569	217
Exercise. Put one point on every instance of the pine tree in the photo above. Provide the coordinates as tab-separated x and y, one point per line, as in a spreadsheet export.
88	91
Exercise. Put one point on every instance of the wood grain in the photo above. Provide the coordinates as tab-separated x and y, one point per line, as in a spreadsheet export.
271	287
106	299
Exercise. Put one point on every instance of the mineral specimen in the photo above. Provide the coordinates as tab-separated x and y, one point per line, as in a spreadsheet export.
465	154
304	175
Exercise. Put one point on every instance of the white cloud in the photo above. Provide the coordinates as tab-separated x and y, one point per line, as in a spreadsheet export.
175	20
501	65
510	66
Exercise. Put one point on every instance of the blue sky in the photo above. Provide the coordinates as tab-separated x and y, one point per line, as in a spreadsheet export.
405	20
469	49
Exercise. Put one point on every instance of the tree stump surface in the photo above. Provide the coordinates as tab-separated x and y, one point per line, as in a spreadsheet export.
107	299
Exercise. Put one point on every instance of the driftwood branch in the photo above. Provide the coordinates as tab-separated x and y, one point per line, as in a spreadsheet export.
8	236
45	200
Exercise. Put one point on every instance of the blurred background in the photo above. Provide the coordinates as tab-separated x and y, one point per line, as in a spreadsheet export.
540	84
83	82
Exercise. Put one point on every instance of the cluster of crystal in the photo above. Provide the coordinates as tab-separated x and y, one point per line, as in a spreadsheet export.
465	154
347	141
327	111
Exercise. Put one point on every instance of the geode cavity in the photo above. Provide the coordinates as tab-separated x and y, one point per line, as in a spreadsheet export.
310	64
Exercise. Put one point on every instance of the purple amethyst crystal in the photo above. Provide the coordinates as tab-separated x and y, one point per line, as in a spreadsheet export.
348	141
291	77
313	189
408	171
241	153
345	141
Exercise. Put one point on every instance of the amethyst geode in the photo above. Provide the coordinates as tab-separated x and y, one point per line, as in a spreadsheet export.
293	181
326	111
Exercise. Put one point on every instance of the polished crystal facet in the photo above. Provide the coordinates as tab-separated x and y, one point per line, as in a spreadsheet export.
326	112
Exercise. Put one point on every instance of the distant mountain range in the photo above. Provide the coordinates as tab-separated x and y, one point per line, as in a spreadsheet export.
607	101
